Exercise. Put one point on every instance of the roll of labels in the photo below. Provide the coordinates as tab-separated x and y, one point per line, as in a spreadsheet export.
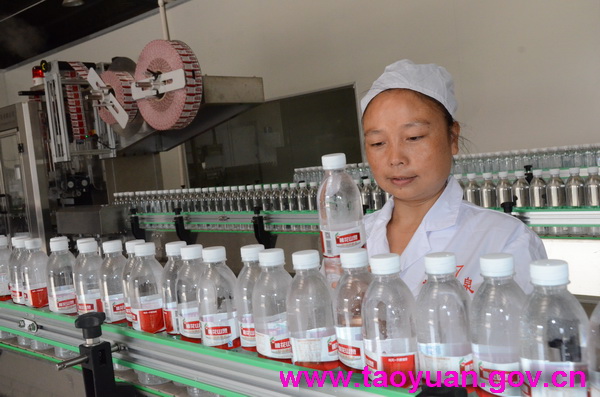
166	88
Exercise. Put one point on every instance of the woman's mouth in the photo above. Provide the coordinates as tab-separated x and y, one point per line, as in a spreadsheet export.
401	181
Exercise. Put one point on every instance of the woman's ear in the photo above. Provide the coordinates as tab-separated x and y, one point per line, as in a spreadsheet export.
454	137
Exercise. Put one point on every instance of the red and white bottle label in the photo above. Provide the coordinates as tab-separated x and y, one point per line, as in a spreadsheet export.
171	320
334	241
63	300
320	346
247	331
148	315
276	342
549	383
498	382
189	320
220	329
114	307
433	357
36	295
379	356
4	284
351	347
90	302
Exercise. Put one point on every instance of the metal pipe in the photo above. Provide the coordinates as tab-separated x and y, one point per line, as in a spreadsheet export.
163	19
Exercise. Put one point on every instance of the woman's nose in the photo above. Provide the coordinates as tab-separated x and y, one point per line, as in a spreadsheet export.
397	156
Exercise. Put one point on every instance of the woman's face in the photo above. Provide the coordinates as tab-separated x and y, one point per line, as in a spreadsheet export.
408	145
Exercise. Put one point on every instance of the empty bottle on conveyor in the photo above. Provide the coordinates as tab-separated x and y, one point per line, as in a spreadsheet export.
574	189
389	324
537	190
520	190
504	192
131	259
111	281
348	300
472	190
16	269
488	191
269	305
145	292
555	189
188	281
553	333
378	197
312	196
4	269
35	274
365	193
87	277
61	288
244	289
169	286
310	315
591	188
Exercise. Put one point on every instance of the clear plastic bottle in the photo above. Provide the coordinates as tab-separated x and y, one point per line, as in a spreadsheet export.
488	191
594	349
188	281
504	192
340	215
555	189
35	274
574	189
378	197
266	202
348	300
591	188
303	196
61	288
284	200
537	190
244	288
312	196
111	281
268	302
520	189
218	316
443	320
129	265
553	332
169	286
310	315
249	198
275	197
472	190
495	311
145	290
4	269
365	193
293	197
87	277
389	322
16	269
241	199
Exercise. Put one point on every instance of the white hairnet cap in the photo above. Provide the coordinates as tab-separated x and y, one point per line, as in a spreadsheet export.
429	79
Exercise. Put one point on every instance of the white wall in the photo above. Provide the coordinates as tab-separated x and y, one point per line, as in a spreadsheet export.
527	73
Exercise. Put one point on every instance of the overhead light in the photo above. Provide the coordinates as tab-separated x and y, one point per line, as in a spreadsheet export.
72	3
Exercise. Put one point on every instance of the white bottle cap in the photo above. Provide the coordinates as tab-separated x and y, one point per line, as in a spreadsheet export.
129	245
191	252
487	175
271	257
250	252
274	186
250	187
497	265
303	184
83	240
471	176
219	188
333	161
144	249
519	174
112	246
33	243
385	264
307	259
257	187
367	182
502	174
3	241
592	170
227	188
353	258
86	247
214	254
549	272
573	171
59	244
440	263
537	173
458	177
18	242
554	172
285	185
174	248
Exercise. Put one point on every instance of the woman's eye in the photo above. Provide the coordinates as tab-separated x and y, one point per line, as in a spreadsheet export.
415	138
375	144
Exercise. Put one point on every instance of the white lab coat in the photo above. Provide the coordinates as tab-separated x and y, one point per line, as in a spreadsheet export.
467	230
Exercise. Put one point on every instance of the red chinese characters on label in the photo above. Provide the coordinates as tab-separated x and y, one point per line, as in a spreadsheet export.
218	331
347	239
119	308
66	304
332	346
372	364
248	332
394	365
281	345
349	351
151	320
191	325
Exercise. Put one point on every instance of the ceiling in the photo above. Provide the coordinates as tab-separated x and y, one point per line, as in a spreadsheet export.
41	26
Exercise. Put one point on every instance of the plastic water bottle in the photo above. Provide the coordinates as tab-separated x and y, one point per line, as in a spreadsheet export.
312	196
61	288
388	329
488	191
35	274
537	190
268	302
292	197
378	197
591	189
574	189
4	269
310	315
169	286
520	189
16	269
365	193
555	189
594	368
348	300
129	265
340	215
472	190
553	332
111	281
495	312
145	292
218	316
244	288
87	277
303	196
504	192
284	198
188	280
443	320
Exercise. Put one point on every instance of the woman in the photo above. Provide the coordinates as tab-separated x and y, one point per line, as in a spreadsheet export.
410	138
